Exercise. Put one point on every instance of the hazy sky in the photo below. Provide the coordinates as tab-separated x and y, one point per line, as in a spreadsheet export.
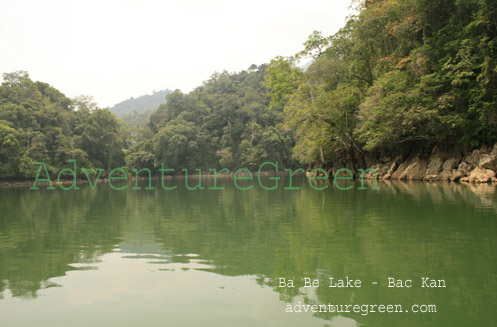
116	49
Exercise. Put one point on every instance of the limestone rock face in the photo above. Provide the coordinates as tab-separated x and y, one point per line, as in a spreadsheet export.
375	172
489	161
473	158
464	167
449	169
431	178
480	175
451	163
416	170
462	171
435	166
478	166
411	169
393	167
456	175
399	171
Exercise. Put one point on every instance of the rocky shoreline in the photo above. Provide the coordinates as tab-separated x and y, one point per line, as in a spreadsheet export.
477	166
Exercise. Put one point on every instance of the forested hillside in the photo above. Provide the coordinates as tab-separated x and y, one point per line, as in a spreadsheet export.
400	76
135	111
225	123
40	124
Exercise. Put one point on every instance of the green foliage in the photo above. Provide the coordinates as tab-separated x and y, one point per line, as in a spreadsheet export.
39	123
225	123
399	74
315	45
9	147
282	80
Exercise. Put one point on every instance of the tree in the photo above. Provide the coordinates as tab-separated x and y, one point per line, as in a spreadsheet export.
15	78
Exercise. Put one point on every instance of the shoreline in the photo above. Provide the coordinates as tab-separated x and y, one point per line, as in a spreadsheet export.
132	178
476	167
29	183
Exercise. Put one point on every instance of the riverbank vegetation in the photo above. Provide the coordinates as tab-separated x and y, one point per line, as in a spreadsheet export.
39	123
399	77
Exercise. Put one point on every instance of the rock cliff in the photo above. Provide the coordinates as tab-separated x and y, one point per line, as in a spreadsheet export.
478	166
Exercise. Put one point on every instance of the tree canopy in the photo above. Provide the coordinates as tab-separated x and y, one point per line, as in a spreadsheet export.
225	123
40	124
399	74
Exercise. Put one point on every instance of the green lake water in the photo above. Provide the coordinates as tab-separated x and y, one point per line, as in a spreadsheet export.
214	257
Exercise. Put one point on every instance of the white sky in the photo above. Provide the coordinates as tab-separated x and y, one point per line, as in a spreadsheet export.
116	49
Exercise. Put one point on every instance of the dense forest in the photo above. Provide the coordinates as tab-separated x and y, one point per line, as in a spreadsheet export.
40	124
225	123
399	76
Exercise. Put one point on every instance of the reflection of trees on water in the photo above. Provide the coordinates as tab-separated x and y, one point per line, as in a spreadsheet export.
403	230
41	233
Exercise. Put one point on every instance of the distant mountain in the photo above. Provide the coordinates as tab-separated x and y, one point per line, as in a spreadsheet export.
144	103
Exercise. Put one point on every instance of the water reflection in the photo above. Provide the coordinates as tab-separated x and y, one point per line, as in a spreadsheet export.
221	253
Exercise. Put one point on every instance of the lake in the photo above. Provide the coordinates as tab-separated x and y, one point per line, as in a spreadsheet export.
216	257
